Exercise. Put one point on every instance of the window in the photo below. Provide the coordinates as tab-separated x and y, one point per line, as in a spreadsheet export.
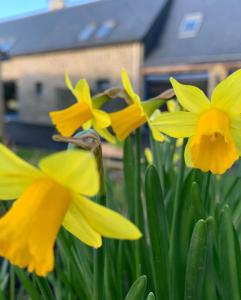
190	25
102	85
87	32
105	29
38	88
6	44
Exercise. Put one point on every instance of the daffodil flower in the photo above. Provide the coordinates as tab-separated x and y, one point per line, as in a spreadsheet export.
213	127
53	194
135	115
81	114
148	155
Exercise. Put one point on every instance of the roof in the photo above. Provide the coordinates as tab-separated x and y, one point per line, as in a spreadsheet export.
59	30
218	38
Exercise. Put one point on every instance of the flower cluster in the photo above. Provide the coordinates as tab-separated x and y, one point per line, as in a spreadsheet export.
213	127
58	191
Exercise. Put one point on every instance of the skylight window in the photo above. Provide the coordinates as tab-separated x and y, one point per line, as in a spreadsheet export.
87	32
105	29
190	25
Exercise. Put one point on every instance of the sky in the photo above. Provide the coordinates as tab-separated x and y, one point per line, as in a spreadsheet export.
15	8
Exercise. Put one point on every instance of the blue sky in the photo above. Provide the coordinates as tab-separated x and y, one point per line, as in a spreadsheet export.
14	8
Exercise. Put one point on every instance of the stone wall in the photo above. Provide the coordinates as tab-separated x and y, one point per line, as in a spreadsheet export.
48	69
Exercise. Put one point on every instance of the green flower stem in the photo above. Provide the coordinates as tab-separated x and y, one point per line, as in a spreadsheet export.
156	150
174	228
12	283
137	200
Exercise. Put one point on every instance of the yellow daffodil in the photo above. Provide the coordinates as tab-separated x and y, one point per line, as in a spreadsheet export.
213	127
81	114
53	194
135	115
148	155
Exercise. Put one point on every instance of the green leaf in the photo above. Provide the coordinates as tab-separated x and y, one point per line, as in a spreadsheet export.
151	296
44	287
229	262
158	231
28	284
137	290
196	263
128	160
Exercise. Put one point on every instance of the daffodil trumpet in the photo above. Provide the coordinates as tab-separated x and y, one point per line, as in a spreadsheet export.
81	114
55	193
213	127
136	114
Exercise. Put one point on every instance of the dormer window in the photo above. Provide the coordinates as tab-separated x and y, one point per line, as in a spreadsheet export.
105	29
190	25
87	32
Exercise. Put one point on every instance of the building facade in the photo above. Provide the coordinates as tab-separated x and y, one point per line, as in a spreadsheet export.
92	41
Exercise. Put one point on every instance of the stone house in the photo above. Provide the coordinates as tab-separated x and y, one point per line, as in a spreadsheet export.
198	42
93	41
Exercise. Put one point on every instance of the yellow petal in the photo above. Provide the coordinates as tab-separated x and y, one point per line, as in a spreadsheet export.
87	125
227	94
68	120
157	135
190	97
102	119
105	134
15	174
127	120
75	223
148	155
127	84
68	82
177	124
172	106
128	87
82	91
236	131
105	221
29	229
75	169
187	154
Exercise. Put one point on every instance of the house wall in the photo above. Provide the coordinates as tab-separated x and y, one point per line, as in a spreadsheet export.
216	71
49	69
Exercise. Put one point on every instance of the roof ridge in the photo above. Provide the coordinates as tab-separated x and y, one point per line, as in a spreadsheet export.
37	13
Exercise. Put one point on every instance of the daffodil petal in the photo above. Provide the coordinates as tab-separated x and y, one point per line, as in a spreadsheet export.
29	229
105	221
177	124
87	125
102	119
75	169
227	94
76	224
236	131
104	132
157	135
127	83
68	82
187	154
82	90
127	120
15	174
68	120
190	97
128	87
